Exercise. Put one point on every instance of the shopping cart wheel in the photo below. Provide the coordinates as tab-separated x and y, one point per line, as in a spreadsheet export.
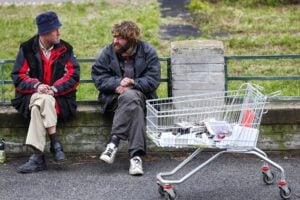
269	177
170	195
285	194
161	190
167	191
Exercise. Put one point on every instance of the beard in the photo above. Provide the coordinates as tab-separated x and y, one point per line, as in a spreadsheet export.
126	49
119	49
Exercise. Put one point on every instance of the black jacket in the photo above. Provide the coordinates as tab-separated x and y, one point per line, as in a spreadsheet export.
28	73
107	74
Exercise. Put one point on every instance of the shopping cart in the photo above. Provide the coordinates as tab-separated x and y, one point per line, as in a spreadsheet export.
228	121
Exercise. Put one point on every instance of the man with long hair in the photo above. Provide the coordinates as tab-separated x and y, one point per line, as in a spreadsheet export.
127	73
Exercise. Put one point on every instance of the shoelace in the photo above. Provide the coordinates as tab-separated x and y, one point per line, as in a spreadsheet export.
136	163
109	151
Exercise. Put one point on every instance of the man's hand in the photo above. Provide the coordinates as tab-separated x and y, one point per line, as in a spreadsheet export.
127	82
50	92
43	88
121	89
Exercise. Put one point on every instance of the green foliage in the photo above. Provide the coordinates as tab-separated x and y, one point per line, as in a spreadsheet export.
248	27
257	30
200	9
85	25
198	5
264	67
246	30
255	3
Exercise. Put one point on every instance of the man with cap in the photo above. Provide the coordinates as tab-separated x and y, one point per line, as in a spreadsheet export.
127	72
45	75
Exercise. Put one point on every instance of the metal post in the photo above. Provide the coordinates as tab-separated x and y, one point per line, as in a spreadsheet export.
169	77
2	80
226	73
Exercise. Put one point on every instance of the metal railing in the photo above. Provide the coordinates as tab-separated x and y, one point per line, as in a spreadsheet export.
260	78
5	81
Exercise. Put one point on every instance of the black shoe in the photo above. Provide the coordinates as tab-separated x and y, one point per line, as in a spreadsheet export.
35	163
57	151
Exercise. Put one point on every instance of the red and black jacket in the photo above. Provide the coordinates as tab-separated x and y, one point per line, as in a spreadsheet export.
61	72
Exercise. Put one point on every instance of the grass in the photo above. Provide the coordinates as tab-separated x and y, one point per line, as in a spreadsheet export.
274	67
263	30
86	26
251	30
255	30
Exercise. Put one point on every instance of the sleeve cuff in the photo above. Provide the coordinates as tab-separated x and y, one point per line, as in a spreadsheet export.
36	85
54	89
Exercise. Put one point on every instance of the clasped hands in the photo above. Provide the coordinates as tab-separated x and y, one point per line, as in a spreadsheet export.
45	89
124	85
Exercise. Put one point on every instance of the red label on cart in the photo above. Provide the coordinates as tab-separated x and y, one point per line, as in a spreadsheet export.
248	118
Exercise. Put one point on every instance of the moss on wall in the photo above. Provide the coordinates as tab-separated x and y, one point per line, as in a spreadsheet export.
89	132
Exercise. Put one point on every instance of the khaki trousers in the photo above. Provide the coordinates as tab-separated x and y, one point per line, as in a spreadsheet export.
43	116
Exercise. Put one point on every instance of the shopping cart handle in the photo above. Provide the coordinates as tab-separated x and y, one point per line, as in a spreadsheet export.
274	94
251	85
270	96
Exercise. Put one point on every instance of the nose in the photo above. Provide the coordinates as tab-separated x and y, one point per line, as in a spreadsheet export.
56	31
116	39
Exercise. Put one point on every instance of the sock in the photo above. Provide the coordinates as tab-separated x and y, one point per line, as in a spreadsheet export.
53	138
115	140
138	153
37	151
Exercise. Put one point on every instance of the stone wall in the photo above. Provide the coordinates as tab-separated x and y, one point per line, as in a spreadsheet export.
89	130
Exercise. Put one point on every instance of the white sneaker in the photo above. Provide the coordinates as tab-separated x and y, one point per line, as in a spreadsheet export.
109	154
136	166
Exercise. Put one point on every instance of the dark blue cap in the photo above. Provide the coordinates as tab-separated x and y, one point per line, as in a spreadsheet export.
47	22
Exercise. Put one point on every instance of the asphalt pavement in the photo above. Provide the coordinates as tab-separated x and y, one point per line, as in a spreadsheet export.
84	176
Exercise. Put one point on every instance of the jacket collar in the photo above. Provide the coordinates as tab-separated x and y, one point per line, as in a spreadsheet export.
139	58
36	46
114	60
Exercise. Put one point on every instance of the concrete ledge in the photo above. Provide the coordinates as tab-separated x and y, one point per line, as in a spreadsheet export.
89	130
